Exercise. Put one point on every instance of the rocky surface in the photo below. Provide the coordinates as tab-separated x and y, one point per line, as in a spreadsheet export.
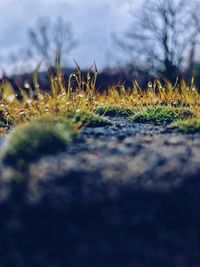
121	195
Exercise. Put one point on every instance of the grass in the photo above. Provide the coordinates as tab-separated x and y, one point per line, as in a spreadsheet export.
78	98
2	124
79	93
114	110
161	115
4	118
188	126
44	136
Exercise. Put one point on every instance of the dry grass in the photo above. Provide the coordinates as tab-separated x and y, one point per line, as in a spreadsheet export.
80	96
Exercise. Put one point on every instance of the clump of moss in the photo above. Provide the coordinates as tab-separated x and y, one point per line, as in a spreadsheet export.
29	142
2	118
5	119
161	115
114	111
88	119
2	124
188	126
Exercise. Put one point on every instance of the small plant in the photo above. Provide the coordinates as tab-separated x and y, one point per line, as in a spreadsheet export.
158	103
2	124
114	111
76	94
161	115
40	137
88	119
188	125
3	117
2	120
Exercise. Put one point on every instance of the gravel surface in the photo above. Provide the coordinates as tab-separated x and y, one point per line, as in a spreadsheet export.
121	195
148	156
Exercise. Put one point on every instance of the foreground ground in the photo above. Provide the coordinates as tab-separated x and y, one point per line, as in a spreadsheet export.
121	195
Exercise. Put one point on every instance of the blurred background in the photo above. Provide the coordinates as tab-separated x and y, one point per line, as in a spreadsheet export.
127	39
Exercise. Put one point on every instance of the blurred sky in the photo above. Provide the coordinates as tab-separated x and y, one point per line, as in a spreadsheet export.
93	22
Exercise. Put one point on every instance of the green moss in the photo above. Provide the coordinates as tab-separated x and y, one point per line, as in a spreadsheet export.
2	124
89	119
161	115
4	120
114	111
34	139
188	125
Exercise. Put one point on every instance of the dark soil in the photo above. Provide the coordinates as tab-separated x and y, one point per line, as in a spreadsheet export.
121	195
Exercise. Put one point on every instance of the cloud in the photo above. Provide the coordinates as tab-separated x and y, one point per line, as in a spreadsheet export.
92	21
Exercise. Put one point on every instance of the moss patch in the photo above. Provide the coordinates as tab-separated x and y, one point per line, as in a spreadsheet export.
114	111
161	115
188	125
89	119
2	124
34	139
3	119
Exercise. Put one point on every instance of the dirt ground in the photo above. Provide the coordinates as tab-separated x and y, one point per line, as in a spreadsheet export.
121	195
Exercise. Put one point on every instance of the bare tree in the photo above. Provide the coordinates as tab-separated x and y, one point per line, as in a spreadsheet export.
47	38
161	36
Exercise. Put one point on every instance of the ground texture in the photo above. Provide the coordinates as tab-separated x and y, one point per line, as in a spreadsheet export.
121	195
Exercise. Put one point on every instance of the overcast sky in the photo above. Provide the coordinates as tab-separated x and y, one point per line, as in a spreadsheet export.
93	21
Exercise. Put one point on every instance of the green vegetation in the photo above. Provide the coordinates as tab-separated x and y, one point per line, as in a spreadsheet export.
88	119
79	96
78	100
188	125
40	137
2	124
114	111
161	115
3	119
